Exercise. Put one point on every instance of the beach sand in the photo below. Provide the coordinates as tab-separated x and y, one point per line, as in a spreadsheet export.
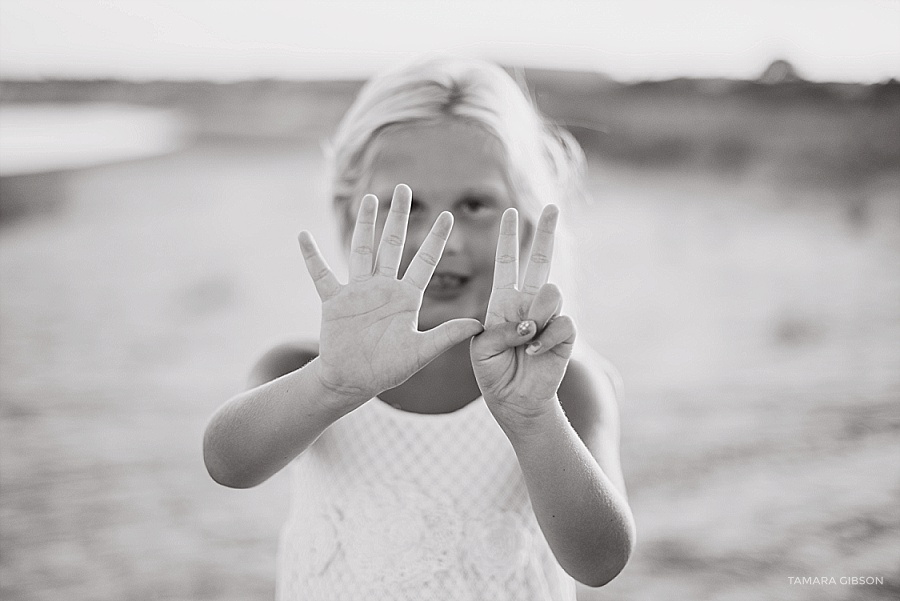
755	323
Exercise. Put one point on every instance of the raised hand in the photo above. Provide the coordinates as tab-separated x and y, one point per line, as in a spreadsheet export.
521	357
369	340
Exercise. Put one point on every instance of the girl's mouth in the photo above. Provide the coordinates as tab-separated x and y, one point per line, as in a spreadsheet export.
446	285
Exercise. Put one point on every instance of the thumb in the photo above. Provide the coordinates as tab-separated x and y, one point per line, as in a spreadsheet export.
441	338
504	336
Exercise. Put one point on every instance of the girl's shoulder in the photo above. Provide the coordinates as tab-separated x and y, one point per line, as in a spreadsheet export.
283	359
589	393
589	397
591	375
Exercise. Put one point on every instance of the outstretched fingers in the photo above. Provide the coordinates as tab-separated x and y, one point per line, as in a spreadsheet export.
390	249
326	282
537	272
506	266
506	262
422	266
362	245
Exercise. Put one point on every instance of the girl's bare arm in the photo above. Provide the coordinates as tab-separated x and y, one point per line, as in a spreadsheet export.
572	472
369	342
520	362
258	432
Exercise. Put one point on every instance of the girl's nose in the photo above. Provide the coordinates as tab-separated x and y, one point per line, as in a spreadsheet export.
456	242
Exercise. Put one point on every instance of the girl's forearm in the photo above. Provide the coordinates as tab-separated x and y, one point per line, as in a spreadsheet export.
585	519
258	432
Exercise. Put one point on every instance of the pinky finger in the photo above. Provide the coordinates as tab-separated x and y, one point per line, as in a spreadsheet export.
324	279
558	336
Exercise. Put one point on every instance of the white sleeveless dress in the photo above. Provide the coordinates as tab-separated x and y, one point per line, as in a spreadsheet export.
388	504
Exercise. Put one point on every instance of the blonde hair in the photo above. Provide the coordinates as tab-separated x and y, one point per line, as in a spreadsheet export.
544	162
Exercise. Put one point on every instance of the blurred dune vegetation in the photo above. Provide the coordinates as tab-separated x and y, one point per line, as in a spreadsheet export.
740	265
843	131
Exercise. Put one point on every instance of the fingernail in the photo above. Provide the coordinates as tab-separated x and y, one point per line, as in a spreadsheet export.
533	348
526	328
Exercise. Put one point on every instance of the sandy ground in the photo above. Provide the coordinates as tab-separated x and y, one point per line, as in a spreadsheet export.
756	326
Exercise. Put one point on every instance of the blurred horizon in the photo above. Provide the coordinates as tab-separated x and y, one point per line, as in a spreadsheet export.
236	40
779	70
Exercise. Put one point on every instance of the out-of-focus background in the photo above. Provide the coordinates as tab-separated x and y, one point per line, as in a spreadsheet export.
741	268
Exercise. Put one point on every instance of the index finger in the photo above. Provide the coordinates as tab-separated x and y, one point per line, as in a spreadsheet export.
506	263
537	272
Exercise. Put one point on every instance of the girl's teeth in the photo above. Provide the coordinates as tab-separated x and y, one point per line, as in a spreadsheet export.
447	281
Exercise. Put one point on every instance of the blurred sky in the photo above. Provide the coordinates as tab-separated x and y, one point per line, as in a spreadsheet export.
834	40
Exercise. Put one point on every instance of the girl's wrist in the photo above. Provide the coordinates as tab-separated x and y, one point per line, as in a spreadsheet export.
535	420
337	399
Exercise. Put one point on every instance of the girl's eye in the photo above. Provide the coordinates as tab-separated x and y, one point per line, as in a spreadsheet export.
478	207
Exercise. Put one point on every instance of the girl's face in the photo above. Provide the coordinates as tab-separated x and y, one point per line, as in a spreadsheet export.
450	166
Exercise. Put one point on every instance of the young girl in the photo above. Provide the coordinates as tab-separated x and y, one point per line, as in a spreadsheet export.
445	444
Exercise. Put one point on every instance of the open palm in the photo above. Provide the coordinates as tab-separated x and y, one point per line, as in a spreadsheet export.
369	340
